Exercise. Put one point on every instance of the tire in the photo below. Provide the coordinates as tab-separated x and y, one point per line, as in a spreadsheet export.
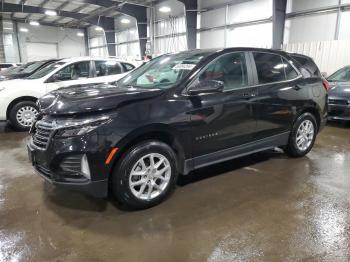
133	168
22	115
295	150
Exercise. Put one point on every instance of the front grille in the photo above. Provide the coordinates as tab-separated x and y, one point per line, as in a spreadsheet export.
71	163
42	133
338	102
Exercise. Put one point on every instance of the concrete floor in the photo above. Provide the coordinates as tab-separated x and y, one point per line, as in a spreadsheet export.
265	207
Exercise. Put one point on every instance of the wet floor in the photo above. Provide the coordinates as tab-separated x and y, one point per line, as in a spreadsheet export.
264	207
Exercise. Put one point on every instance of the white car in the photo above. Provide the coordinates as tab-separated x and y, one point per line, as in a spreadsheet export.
18	97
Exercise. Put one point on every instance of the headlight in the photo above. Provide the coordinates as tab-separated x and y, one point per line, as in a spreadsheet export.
79	128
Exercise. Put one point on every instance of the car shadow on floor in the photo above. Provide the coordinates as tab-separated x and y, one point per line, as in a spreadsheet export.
339	124
5	127
56	197
229	166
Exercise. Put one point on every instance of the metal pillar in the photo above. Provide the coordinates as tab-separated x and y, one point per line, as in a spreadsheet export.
278	23
191	7
107	23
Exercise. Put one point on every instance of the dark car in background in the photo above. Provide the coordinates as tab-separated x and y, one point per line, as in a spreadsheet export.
25	70
339	95
175	114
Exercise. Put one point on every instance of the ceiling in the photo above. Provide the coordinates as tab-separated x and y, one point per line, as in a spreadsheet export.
75	6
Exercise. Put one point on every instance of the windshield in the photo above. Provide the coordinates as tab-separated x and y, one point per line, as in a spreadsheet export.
342	75
32	67
45	70
164	71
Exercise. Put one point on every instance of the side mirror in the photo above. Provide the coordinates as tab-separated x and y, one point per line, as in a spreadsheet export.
206	86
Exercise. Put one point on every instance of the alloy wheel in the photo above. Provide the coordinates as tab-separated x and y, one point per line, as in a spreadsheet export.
150	176
305	135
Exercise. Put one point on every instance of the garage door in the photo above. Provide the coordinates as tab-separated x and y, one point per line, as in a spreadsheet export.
40	51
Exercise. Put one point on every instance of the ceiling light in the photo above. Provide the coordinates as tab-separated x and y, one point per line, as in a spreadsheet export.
34	23
165	9
80	34
50	12
98	28
23	29
125	21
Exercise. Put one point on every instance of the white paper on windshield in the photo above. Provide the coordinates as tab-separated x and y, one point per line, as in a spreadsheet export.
184	67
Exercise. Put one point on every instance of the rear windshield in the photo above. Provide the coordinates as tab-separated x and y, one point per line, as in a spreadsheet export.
308	64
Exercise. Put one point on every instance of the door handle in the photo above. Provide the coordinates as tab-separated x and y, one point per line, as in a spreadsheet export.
249	95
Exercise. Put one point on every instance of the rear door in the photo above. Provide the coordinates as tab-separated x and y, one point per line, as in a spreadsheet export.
107	71
278	95
224	120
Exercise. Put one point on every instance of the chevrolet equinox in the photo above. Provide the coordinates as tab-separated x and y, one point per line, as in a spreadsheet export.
177	113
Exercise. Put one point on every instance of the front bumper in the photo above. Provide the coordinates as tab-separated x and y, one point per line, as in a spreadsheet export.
48	164
339	112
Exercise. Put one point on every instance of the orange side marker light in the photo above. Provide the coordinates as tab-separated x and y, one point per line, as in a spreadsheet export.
111	155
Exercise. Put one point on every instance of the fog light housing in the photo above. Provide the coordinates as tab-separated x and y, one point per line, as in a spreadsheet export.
85	169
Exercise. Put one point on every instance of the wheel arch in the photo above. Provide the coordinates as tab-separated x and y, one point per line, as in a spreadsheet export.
18	100
315	112
159	132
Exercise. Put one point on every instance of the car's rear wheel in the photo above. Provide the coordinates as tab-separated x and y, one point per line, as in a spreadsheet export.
145	176
303	136
23	114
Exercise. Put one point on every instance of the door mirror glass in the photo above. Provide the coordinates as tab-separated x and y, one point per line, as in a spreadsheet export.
206	86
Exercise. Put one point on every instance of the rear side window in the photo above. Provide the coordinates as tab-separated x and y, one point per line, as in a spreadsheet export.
128	67
308	64
106	68
273	68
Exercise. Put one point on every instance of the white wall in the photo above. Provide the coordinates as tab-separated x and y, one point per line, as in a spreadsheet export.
128	45
302	5
320	27
328	55
68	43
258	35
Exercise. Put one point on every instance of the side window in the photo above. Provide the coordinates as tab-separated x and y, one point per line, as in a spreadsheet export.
289	70
269	67
73	72
128	67
308	64
106	68
230	69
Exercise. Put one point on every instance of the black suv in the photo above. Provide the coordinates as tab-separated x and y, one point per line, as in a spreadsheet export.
175	114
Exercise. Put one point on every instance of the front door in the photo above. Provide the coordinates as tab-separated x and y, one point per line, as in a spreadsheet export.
224	120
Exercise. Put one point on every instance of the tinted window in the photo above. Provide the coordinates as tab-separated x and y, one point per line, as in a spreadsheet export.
128	67
230	69
73	71
341	75
106	68
289	70
5	65
308	64
269	68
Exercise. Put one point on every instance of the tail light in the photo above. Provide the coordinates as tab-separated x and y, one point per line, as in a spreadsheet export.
326	85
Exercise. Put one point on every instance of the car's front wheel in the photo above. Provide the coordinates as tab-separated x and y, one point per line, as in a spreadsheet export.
145	176
23	114
303	136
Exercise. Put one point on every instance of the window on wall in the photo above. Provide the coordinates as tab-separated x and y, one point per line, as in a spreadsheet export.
230	69
273	68
106	68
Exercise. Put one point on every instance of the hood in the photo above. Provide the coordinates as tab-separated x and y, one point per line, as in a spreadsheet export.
340	89
13	76
91	98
